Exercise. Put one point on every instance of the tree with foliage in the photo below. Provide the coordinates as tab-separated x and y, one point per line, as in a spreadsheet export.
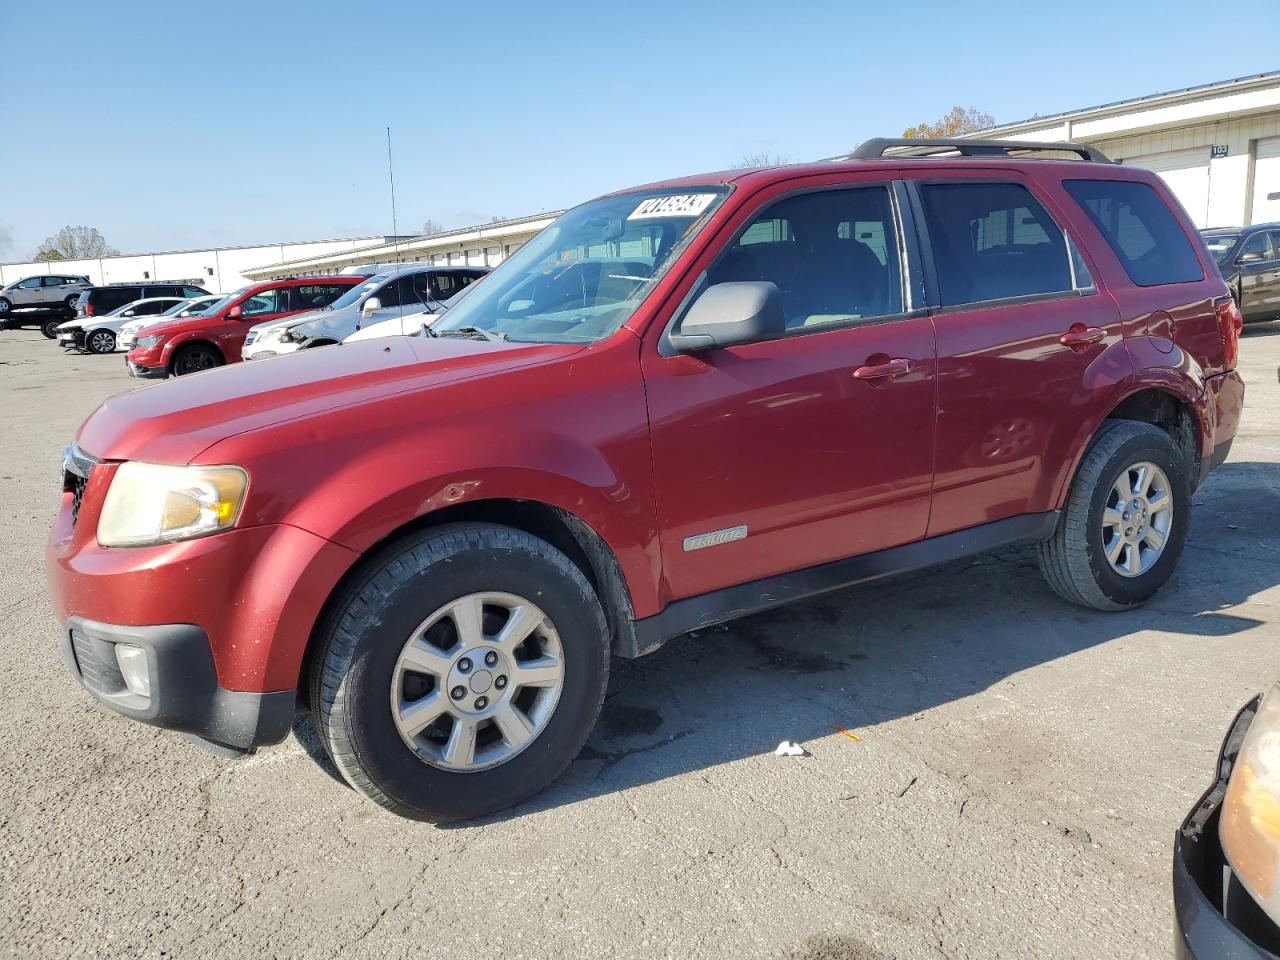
763	158
430	227
75	243
958	121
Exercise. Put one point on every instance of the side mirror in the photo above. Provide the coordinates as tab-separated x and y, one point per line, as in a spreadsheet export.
235	313
372	305
1253	256
730	314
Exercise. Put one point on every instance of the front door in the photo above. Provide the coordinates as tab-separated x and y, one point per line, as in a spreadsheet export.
776	456
1020	327
1258	264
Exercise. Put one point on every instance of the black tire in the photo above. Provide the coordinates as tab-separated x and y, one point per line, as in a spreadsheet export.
369	624
1073	560
100	341
70	304
193	358
50	328
5	306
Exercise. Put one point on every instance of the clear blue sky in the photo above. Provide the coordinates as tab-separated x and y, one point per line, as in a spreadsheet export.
174	125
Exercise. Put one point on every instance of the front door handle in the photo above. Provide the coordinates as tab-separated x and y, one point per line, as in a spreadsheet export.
878	371
1081	336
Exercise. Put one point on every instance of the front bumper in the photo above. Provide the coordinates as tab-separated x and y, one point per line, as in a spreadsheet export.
1216	917
184	691
140	372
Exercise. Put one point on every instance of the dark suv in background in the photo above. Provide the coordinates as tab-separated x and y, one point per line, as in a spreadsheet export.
96	301
1249	258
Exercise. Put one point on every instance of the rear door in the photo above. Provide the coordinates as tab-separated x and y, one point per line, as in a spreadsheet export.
776	456
1008	289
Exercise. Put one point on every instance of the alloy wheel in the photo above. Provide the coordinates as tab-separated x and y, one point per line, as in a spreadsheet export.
477	681
1136	519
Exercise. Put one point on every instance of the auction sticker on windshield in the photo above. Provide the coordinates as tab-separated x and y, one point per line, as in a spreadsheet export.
676	205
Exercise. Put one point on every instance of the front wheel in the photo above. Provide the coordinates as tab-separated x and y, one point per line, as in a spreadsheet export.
462	673
1125	521
195	357
101	341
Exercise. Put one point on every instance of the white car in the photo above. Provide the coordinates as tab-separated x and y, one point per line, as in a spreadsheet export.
128	336
99	334
410	325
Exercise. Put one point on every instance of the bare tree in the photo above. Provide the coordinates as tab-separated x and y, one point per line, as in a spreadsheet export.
430	226
762	158
76	243
957	121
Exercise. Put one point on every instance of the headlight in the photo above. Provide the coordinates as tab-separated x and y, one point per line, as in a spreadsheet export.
149	503
148	341
1250	824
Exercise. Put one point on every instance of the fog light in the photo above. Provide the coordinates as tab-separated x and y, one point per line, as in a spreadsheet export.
133	667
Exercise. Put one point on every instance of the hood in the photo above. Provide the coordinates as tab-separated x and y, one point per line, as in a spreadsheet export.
172	422
75	324
288	321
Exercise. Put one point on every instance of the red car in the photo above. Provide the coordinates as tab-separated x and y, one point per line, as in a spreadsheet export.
215	337
677	405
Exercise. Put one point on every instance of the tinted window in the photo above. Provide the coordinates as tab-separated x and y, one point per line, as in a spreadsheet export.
189	292
833	255
392	293
1140	229
106	299
992	241
442	286
313	296
152	307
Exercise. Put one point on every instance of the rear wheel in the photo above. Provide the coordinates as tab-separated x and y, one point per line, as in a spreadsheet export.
50	328
1125	522
101	341
462	673
70	303
195	357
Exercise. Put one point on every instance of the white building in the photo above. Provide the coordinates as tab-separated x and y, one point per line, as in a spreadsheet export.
218	271
1216	145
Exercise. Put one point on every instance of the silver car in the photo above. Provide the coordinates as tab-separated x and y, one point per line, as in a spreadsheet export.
407	288
50	291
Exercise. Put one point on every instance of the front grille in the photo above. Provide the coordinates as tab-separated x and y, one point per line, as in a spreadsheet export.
97	662
76	467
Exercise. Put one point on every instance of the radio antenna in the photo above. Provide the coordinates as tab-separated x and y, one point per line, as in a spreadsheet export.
395	229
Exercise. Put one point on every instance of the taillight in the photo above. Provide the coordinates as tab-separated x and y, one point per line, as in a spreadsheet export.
1230	323
88	309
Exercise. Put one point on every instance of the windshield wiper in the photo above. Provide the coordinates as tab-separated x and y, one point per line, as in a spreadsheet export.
472	333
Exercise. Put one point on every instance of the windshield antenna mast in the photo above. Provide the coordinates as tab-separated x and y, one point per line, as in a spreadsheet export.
395	230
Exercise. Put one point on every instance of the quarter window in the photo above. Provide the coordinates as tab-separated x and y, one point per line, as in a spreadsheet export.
833	256
993	241
1142	232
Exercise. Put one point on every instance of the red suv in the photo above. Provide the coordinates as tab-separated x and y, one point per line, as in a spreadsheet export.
680	404
215	337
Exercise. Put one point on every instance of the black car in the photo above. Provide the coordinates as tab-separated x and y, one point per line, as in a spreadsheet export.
97	301
1226	856
1249	258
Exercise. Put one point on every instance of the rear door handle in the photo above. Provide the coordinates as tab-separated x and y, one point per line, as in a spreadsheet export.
878	371
1081	336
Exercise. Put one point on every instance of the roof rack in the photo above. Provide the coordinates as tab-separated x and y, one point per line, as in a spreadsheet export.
874	149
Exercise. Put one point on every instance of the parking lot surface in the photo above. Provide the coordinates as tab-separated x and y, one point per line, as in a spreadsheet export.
993	773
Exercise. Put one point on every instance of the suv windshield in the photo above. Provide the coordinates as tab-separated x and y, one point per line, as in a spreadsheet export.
581	278
1220	245
358	291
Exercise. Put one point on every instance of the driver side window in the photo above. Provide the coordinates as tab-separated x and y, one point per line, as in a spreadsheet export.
268	301
833	256
1257	244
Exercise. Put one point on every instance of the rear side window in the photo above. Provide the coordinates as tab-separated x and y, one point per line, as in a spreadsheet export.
993	241
313	296
108	298
1140	229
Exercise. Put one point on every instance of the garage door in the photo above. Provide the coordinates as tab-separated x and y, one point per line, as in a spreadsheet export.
1187	174
1266	181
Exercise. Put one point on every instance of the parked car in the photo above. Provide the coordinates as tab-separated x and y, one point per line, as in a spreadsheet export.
396	291
99	334
676	405
100	300
1226	855
28	301
214	338
414	324
193	307
1249	258
48	291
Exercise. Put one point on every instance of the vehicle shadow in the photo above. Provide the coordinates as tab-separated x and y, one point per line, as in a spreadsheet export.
866	655
1269	328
